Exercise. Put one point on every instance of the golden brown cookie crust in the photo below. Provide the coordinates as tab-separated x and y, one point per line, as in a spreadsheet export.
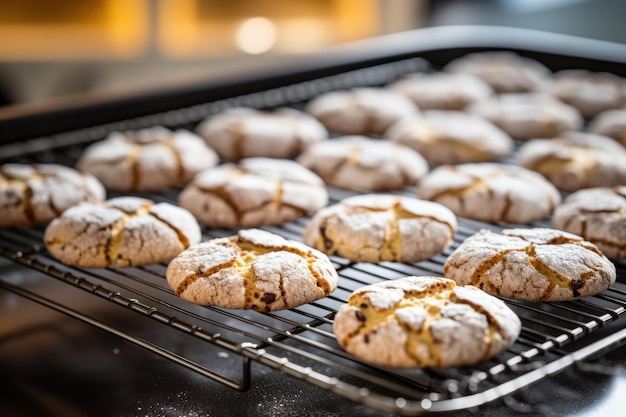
35	194
153	159
491	192
531	264
363	164
598	215
257	192
424	322
576	160
255	270
376	228
243	132
121	232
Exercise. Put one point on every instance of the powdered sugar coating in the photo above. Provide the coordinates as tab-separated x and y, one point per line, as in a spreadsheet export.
531	264
443	91
361	111
243	132
451	137
424	322
598	215
611	123
576	160
491	192
121	232
376	228
254	269
363	164
153	159
36	194
505	71
588	91
259	191
528	116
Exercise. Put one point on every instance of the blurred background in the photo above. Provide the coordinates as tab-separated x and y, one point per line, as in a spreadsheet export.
51	49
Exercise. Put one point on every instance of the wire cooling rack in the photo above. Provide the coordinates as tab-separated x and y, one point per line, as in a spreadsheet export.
298	342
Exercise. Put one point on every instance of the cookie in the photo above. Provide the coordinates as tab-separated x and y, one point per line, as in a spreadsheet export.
451	137
376	228
443	91
254	269
424	322
152	159
598	215
361	111
576	160
121	232
590	92
35	194
505	72
528	116
362	164
611	123
245	132
258	191
491	192
531	264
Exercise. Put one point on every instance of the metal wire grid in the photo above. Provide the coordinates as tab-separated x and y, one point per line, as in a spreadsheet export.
300	342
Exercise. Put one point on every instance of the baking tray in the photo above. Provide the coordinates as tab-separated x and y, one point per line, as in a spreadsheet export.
299	342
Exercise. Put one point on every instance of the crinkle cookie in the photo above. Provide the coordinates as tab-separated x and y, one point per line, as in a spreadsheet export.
611	123
505	71
590	92
36	194
153	159
531	264
451	137
491	192
362	164
121	232
576	160
253	270
361	111
528	116
424	322
243	132
259	191
598	215
443	91
376	228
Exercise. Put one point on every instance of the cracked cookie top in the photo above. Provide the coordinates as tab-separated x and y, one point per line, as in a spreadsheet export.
121	232
35	194
491	192
576	160
528	115
531	264
363	164
505	72
441	90
258	191
424	322
361	111
376	228
254	269
451	137
243	132
598	215
153	159
588	91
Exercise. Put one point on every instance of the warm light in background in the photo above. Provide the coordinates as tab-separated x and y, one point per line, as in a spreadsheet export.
256	35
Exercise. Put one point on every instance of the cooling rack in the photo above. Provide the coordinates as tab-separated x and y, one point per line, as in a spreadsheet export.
298	342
